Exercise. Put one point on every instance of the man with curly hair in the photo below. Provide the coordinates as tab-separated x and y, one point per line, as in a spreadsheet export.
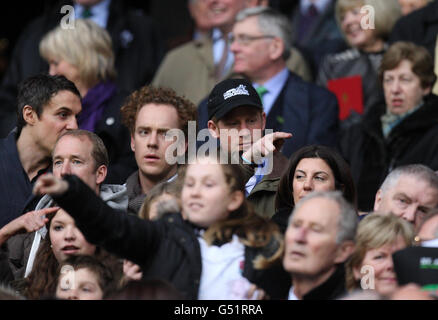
150	113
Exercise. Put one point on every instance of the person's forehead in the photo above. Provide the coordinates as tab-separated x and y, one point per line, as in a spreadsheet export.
249	24
394	244
204	169
318	210
157	115
63	98
314	164
415	188
69	144
404	67
412	183
63	216
87	275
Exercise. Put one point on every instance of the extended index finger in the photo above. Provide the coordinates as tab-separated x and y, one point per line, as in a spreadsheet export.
45	211
281	135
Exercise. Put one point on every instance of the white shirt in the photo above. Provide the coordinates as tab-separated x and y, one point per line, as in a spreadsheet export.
292	295
430	243
218	47
321	5
222	268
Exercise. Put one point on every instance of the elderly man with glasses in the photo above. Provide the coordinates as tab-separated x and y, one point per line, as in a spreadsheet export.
261	46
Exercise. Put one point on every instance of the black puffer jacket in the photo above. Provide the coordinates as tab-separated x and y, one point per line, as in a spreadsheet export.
372	157
167	248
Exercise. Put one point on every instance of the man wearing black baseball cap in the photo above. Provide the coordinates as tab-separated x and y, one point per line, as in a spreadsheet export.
235	104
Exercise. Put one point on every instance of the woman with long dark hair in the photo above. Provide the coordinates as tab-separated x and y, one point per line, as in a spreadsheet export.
312	168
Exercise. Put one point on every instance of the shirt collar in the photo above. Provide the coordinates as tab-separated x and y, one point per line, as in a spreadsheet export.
172	177
321	5
100	12
292	295
276	83
216	34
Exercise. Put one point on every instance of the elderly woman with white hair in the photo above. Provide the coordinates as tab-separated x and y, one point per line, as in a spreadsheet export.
84	55
366	25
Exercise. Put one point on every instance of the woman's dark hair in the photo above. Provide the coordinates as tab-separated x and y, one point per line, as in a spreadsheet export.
41	282
340	168
420	59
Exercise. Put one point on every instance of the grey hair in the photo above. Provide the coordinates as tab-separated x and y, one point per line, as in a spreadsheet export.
271	22
348	218
419	171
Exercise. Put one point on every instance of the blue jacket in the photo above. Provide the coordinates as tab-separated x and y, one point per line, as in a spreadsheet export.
15	187
306	110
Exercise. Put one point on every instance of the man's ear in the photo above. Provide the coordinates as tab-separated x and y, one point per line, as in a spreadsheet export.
276	48
101	174
263	115
132	143
378	200
29	115
237	198
344	251
213	129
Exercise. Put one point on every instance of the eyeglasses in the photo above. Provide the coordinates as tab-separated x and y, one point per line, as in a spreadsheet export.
245	39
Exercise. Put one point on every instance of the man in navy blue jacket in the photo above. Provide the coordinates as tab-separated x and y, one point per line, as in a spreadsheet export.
261	44
47	107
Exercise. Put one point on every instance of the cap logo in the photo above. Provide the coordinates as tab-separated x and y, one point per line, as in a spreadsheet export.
240	90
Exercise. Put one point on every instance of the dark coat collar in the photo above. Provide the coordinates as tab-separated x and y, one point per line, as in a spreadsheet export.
424	117
333	288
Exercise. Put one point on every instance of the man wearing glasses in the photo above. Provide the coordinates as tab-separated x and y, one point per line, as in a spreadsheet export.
194	68
261	42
